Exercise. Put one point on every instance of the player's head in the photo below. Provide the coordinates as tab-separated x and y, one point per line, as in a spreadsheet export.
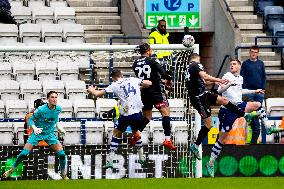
52	98
235	66
194	57
162	26
145	49
253	52
38	103
116	74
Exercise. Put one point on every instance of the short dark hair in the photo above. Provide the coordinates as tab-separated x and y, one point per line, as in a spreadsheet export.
143	48
237	60
254	47
38	102
116	74
50	93
162	20
193	56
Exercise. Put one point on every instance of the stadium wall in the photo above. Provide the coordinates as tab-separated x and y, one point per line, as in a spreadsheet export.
225	36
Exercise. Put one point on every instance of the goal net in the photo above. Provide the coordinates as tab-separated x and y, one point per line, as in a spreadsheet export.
89	130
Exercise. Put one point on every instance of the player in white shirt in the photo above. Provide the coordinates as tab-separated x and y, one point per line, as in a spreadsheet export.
128	92
233	92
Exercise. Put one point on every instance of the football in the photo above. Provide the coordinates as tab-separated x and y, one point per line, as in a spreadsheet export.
188	41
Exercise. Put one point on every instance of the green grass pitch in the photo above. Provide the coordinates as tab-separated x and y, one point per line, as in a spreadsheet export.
179	183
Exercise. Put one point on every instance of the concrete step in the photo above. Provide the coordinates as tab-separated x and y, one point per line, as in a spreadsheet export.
250	26
96	11
242	9
238	2
275	75
251	31
101	29
250	37
98	20
101	38
264	56
90	3
248	19
276	63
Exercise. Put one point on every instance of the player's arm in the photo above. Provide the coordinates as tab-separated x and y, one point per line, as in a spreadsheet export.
210	78
164	75
97	93
257	91
146	83
32	119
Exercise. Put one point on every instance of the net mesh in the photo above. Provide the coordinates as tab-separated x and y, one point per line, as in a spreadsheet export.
85	160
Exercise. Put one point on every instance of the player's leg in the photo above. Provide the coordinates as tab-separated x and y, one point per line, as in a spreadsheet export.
226	119
57	147
123	123
24	153
136	121
230	106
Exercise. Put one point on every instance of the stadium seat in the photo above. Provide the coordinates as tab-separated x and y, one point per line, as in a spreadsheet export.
75	89
46	70
177	107
38	55
30	33
8	33
19	130
9	90
259	5
52	32
273	15
16	57
67	108
5	71
95	132
104	105
17	3
68	71
22	14
278	30
109	125
43	15
275	106
7	133
73	132
57	3
158	132
23	71
30	90
64	15
180	133
84	108
54	85
74	34
16	108
36	3
2	109
82	59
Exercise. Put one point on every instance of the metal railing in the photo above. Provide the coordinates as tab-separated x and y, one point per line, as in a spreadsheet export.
231	14
266	37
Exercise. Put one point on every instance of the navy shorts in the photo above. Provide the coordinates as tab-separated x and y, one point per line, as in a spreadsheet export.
227	118
135	121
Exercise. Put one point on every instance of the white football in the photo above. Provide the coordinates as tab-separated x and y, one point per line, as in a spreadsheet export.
188	41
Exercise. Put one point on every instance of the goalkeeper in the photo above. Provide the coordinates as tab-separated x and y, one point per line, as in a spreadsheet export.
43	123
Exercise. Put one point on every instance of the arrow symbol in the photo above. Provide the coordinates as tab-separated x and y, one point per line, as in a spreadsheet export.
193	20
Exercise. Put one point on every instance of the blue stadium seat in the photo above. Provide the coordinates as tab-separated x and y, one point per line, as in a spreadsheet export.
259	5
278	30
273	15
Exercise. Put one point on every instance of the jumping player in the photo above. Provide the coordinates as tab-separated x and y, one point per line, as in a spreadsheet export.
147	68
43	123
233	91
201	100
129	93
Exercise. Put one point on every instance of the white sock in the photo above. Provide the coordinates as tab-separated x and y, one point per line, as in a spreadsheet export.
168	137
140	154
111	156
